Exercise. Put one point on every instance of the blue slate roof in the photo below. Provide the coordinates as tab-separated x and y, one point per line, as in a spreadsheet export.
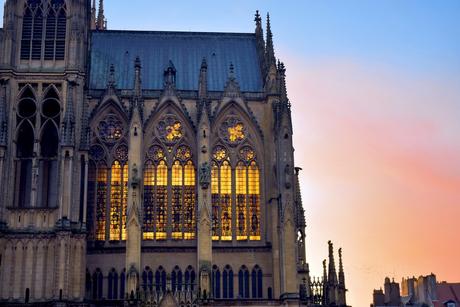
185	49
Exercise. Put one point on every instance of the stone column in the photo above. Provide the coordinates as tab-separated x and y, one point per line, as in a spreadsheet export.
204	246
133	223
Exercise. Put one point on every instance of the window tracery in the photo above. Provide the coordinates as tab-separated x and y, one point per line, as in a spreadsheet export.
37	120
170	129
246	201
44	30
108	179
181	197
233	131
110	129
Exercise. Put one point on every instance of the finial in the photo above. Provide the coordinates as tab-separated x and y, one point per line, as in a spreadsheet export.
270	51
258	19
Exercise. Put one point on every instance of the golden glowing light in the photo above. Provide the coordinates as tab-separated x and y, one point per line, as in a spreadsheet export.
236	133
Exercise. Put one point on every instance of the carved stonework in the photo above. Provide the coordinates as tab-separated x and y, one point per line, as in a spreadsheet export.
233	131
205	175
170	129
110	129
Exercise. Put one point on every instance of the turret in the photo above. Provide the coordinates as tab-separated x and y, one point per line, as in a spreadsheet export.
93	16
260	44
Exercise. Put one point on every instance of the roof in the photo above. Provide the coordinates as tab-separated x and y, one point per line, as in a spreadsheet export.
185	49
447	292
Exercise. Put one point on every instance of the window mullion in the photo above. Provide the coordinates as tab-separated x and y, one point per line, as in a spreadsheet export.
248	216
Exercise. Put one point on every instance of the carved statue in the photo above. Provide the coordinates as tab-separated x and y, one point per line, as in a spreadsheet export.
205	175
135	176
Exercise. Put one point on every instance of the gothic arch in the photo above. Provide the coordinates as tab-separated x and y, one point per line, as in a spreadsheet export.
233	110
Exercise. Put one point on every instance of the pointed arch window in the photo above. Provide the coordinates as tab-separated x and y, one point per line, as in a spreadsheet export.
44	30
221	190
147	279
25	139
97	284
122	284
243	282
175	197
113	285
118	200
243	199
160	280
257	282
176	279
215	282
227	282
108	183
189	279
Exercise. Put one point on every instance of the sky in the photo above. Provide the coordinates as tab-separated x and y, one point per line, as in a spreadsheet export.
375	92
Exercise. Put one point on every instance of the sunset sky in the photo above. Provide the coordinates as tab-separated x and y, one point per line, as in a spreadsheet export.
375	89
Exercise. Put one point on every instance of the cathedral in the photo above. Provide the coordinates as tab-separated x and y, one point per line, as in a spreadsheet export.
146	168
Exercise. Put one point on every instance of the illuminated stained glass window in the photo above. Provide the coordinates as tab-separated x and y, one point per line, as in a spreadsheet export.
254	201
241	192
247	196
115	201
101	201
176	201
124	201
118	201
189	201
215	201
149	201
161	200
226	201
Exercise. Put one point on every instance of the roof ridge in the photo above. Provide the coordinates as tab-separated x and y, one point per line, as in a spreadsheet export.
173	32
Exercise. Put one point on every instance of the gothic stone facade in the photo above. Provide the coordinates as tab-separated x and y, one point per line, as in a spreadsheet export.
150	168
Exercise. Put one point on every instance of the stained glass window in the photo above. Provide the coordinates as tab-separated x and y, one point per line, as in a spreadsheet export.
215	201
115	201
241	192
254	201
124	201
101	200
176	201
110	129
226	201
149	201
161	200
189	201
118	201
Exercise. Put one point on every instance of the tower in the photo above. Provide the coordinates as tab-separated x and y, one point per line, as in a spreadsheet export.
42	73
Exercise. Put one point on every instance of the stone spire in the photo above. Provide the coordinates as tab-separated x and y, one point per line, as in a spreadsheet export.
101	21
93	15
282	82
260	43
332	277
341	293
270	51
332	273
68	126
203	82
3	117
